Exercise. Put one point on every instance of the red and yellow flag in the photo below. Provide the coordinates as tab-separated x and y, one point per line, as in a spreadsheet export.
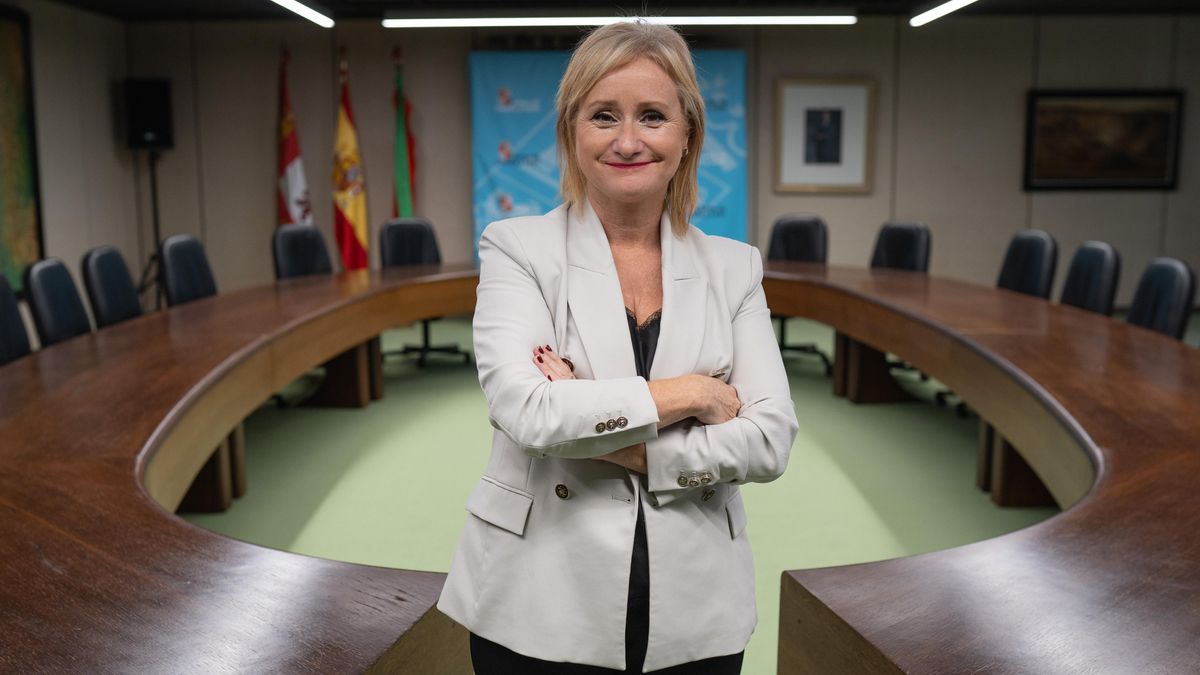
294	205
349	184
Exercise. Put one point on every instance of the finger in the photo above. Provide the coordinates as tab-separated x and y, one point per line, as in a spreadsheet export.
557	366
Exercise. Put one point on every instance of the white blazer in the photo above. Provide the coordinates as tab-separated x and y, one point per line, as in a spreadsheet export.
542	565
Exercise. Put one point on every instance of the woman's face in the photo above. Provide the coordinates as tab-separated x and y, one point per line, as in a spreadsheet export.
630	134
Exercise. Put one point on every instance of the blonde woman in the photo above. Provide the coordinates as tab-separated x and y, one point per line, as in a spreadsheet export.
634	384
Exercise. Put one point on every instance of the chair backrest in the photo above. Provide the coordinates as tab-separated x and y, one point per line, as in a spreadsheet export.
798	238
109	287
54	301
185	270
1092	278
902	246
299	251
1029	263
408	241
14	341
1164	296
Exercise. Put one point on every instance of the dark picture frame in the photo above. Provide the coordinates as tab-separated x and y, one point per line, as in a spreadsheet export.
21	238
1103	139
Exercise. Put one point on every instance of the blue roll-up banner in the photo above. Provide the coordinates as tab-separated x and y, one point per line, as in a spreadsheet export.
514	158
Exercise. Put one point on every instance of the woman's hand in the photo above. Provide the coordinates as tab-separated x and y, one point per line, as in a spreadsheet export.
708	399
553	366
632	457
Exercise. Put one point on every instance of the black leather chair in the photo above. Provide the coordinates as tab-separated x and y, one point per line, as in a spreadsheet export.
799	238
109	287
1092	278
1029	264
14	341
1028	268
1164	297
299	251
185	270
411	241
54	302
902	246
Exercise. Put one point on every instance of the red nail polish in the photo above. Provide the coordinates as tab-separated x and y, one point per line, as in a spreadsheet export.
541	351
549	378
539	359
548	348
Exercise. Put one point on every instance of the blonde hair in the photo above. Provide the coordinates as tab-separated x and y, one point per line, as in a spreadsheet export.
614	46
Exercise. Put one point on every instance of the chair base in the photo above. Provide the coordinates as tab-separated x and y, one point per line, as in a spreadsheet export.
424	349
808	349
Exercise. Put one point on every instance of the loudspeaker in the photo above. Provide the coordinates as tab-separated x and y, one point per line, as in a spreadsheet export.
148	114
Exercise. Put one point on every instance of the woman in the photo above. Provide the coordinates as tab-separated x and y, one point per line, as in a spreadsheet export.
633	382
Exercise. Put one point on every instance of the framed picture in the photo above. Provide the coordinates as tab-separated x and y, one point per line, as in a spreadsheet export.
20	210
824	130
1102	139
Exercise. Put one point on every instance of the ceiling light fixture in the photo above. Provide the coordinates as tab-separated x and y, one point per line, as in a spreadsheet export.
938	12
399	21
315	13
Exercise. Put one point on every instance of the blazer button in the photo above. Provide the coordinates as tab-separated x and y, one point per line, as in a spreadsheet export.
683	481
600	427
693	482
622	422
705	478
708	494
562	491
611	424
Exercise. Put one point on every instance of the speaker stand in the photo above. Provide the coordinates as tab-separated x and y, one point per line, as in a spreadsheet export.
152	272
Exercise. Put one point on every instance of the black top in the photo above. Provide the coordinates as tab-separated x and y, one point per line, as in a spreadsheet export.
645	342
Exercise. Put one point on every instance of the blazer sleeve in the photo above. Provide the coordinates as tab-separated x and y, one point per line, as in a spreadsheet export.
754	446
565	418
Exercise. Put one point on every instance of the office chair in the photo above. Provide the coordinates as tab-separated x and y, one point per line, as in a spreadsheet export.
109	286
299	251
902	246
1164	297
799	238
411	241
1092	278
1028	268
54	301
14	341
186	273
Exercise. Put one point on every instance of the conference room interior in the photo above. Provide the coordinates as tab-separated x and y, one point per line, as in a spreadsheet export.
226	447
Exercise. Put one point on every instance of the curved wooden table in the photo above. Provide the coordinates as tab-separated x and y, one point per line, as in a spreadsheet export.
100	437
1107	414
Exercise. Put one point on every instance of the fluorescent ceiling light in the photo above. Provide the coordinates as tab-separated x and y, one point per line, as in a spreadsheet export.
551	21
938	12
313	14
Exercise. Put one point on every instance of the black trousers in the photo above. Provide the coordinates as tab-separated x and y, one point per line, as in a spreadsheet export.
489	658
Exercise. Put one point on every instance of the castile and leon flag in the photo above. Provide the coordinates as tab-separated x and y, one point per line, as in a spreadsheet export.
294	204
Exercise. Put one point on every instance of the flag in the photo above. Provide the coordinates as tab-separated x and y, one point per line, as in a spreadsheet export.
349	184
294	205
403	189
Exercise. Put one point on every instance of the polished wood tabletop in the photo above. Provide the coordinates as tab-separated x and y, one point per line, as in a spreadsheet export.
1107	414
101	435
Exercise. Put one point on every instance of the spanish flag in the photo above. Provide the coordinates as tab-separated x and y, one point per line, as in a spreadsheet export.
349	185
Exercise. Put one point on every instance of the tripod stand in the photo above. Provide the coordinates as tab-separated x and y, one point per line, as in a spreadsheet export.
152	272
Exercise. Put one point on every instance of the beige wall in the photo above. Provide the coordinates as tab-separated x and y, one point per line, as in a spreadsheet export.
948	145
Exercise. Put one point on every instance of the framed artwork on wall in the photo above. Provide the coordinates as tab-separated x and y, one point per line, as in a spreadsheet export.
20	209
1103	139
824	131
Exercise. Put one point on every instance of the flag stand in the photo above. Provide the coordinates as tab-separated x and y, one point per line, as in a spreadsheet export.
152	272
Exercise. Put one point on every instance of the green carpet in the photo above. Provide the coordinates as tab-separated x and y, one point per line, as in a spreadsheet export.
386	485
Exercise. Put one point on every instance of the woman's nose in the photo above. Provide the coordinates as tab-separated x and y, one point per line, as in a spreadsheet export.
627	143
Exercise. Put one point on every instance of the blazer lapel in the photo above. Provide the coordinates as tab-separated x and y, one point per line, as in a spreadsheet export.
594	296
685	304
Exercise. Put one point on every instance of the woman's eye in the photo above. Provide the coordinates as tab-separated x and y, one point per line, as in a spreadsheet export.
604	117
653	117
